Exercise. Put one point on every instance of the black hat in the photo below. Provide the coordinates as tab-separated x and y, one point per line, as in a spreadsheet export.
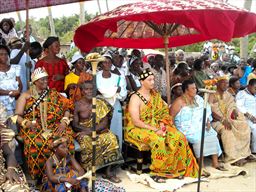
144	74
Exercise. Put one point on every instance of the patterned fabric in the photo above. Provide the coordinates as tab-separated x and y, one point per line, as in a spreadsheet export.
171	156
60	67
236	142
189	121
8	82
48	186
10	6
107	148
160	81
106	186
199	77
76	94
36	147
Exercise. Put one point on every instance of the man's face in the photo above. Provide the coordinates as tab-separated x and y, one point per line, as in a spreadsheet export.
87	91
3	56
252	89
223	85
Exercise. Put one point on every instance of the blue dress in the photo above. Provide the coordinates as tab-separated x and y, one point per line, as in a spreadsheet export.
189	122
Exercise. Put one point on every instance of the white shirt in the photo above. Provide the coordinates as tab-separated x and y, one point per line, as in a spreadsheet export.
246	103
108	87
23	68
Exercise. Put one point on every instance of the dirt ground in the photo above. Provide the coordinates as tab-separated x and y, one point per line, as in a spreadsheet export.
239	183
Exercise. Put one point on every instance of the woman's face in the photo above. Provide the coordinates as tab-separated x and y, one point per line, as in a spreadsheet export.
107	64
237	85
149	82
4	56
191	90
6	27
42	83
55	47
178	91
80	65
62	149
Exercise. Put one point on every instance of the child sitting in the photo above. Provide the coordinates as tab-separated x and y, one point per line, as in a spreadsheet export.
62	170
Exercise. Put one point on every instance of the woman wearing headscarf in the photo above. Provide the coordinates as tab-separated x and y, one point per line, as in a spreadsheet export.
42	114
78	76
56	67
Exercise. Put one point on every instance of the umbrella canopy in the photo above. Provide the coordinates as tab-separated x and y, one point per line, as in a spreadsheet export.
165	23
18	5
143	24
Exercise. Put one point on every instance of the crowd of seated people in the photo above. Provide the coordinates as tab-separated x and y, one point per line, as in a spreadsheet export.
51	117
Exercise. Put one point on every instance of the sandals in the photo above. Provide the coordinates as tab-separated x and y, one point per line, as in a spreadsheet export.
251	158
112	178
205	173
159	179
221	168
239	163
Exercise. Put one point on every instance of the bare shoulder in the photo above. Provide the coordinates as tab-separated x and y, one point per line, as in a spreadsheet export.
135	102
178	102
26	95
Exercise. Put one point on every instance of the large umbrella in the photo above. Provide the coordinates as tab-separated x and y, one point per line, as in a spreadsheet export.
165	23
18	5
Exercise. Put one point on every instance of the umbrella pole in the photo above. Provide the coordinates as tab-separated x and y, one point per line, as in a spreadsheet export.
206	96
27	39
94	68
168	89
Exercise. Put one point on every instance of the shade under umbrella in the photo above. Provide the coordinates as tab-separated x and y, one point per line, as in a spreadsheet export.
165	23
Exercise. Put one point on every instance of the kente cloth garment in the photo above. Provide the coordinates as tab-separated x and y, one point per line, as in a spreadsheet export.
236	142
8	82
160	80
189	121
107	148
199	77
76	94
108	89
252	75
170	154
68	172
246	103
59	67
36	147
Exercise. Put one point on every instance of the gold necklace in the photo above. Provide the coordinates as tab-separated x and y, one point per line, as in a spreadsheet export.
59	163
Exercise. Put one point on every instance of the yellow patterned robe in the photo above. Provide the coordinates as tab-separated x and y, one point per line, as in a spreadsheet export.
171	156
107	148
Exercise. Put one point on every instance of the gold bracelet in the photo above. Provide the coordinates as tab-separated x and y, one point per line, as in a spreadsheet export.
65	120
24	122
14	168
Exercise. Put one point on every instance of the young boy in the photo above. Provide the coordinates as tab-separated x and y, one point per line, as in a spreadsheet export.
62	170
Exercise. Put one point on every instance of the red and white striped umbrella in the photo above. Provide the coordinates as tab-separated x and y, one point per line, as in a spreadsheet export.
165	23
143	24
7	6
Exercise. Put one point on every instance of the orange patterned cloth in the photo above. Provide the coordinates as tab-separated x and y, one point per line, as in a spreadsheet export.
170	154
36	147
